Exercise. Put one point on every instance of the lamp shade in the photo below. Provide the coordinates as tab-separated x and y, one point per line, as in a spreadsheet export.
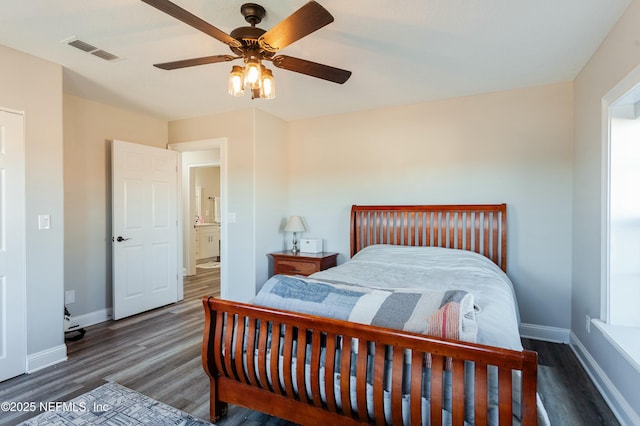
294	224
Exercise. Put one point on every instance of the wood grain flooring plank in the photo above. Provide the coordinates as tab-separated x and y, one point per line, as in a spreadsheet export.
568	393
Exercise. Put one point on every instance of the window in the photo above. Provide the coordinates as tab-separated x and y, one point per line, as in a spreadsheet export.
624	222
621	325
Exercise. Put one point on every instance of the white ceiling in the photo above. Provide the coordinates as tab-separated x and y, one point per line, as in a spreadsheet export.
400	51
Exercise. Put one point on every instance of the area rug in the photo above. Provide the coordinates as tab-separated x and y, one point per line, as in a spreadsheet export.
112	405
208	265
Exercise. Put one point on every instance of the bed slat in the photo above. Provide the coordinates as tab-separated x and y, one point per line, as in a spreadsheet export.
262	355
314	373
378	384
417	364
505	398
329	371
437	369
239	335
485	235
457	390
287	360
227	343
361	382
251	344
345	384
396	385
480	393
301	358
274	359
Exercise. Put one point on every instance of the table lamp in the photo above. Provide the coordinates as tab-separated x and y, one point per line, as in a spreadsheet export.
295	225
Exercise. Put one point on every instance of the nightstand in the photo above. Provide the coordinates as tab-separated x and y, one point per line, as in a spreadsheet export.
288	263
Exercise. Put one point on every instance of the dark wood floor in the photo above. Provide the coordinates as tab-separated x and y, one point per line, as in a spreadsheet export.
569	396
158	354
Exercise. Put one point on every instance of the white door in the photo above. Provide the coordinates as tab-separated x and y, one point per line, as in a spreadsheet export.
13	321
144	228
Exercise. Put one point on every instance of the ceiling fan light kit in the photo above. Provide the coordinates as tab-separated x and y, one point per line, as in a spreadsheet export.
236	81
268	89
254	45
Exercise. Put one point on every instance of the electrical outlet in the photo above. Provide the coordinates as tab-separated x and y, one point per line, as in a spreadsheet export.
69	297
588	324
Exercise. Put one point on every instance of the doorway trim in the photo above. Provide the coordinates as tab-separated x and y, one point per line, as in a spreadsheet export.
200	145
14	349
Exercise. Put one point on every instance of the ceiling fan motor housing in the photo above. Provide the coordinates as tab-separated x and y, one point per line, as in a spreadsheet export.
253	13
248	36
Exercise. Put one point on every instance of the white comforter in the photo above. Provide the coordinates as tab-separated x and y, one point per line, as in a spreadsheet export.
385	266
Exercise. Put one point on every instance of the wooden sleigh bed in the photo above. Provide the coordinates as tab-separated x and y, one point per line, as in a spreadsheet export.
398	377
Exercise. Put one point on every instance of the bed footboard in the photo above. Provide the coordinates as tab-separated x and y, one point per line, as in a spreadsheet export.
315	370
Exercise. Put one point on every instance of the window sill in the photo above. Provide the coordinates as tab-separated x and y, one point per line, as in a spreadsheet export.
625	339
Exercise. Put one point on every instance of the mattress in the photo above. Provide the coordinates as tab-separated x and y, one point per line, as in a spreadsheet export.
436	268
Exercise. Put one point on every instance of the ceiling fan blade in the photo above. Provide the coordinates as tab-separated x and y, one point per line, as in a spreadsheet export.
188	18
309	18
195	61
313	69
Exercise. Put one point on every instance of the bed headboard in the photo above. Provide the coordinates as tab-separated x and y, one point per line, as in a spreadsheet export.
481	228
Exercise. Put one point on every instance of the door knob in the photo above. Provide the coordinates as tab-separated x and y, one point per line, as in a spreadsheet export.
121	239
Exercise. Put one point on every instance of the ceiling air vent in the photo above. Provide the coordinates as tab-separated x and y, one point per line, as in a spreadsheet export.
89	48
105	55
79	44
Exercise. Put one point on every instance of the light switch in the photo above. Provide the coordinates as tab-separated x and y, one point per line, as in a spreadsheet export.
231	217
44	221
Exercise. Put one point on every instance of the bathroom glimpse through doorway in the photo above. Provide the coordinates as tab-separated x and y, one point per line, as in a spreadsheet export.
203	167
204	238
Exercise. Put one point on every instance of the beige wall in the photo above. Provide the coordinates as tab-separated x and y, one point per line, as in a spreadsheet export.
272	198
256	190
89	128
617	56
34	86
512	147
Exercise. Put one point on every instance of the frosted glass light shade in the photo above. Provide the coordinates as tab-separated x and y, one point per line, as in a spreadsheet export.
252	74
268	89
236	81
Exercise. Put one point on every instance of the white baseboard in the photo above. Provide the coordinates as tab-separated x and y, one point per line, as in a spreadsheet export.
542	332
58	354
92	318
625	414
45	358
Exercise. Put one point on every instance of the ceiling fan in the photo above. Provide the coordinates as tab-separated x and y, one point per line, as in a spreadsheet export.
254	45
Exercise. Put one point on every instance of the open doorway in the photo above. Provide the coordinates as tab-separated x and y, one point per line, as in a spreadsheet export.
205	155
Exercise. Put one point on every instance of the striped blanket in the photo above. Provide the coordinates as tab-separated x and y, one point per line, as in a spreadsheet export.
448	314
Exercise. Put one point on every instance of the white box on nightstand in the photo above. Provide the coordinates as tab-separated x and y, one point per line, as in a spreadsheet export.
311	245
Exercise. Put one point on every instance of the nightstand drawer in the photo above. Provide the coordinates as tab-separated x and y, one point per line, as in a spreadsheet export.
295	267
290	263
